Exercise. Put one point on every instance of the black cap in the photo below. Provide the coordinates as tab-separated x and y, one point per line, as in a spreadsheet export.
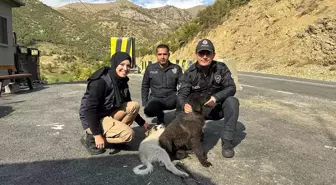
205	44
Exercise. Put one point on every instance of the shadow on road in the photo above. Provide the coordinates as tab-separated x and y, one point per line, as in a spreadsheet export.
132	146
116	170
212	134
5	111
73	82
35	89
212	131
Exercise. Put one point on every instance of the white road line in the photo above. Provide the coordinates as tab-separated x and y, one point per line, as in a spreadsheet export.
296	81
285	92
330	147
248	85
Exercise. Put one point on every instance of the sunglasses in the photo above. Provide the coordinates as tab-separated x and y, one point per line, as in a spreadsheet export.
204	52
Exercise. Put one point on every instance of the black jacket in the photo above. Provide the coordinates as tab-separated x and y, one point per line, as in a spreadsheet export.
99	101
218	82
162	82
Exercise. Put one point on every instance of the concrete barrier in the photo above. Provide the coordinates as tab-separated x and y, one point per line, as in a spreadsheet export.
233	69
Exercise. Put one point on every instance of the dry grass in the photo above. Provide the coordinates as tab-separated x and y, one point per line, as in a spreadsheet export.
271	37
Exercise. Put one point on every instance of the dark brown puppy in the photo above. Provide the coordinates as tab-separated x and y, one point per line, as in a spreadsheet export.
185	131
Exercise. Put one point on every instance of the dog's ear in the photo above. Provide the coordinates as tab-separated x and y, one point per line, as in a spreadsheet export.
197	107
147	133
149	130
204	98
195	102
150	126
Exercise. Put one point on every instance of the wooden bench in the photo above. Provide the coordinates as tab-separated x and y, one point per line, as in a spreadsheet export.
11	75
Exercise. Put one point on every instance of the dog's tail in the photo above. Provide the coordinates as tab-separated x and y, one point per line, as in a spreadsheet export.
148	169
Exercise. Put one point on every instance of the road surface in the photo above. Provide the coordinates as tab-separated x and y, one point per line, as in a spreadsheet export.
289	85
280	138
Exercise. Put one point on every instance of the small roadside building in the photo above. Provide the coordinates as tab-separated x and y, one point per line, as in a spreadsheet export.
6	32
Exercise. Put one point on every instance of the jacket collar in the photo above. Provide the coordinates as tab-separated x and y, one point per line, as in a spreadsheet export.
170	66
197	67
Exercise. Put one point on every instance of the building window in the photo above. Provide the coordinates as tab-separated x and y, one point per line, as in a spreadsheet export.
3	31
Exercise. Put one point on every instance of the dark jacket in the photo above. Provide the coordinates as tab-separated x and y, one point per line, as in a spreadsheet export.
161	81
99	101
218	82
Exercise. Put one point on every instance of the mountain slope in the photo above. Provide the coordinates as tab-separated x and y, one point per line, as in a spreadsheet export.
194	10
85	29
123	18
286	37
37	22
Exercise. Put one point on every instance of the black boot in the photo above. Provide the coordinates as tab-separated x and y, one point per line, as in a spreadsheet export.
227	149
90	145
160	120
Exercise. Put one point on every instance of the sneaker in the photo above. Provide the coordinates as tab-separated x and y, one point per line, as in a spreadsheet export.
90	145
227	149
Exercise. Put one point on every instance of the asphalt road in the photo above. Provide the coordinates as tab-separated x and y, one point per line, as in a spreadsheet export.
280	138
289	85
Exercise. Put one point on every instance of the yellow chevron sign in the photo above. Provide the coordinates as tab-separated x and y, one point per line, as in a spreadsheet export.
185	64
124	44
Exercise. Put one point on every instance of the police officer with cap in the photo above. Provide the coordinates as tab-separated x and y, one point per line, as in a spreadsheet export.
214	80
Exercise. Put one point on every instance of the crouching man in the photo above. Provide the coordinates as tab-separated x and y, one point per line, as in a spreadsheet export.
162	79
214	80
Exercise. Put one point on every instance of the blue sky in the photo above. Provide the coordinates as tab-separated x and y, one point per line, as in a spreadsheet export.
144	3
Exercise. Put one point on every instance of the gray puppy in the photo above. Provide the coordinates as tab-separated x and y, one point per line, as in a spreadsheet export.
150	151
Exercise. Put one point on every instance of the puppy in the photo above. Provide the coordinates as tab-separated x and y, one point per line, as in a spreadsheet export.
150	151
185	131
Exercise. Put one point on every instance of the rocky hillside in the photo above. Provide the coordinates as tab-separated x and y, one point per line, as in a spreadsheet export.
37	23
84	29
287	37
123	18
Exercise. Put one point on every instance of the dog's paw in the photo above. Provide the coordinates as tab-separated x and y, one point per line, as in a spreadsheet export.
184	175
206	163
205	156
178	162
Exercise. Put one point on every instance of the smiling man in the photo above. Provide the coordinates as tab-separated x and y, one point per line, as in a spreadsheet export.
214	80
161	78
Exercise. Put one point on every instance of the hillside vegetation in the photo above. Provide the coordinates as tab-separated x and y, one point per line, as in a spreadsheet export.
36	22
75	37
85	29
286	37
205	19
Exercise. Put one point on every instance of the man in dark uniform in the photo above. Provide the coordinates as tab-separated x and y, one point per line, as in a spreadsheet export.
214	80
162	79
